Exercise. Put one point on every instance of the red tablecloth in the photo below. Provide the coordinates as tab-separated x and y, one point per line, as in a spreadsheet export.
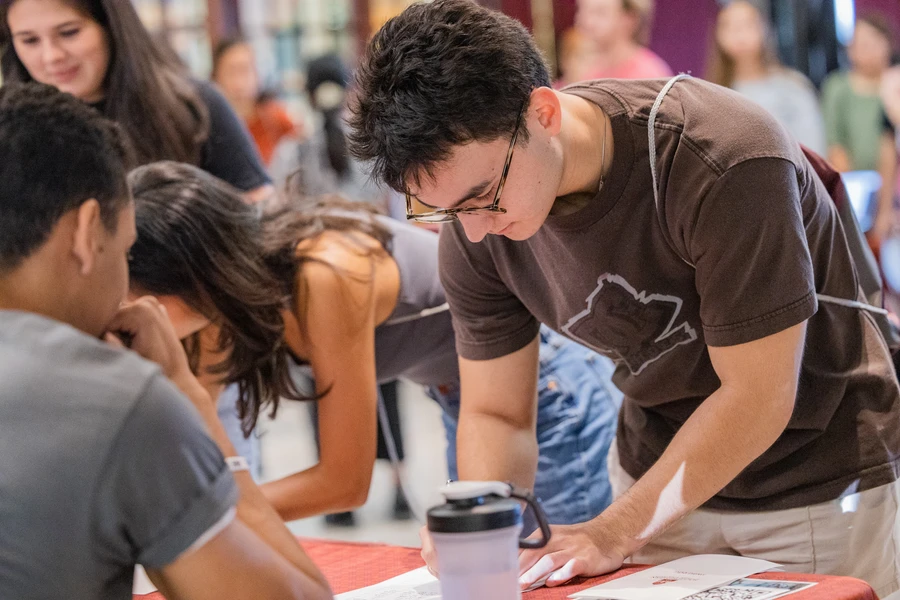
352	566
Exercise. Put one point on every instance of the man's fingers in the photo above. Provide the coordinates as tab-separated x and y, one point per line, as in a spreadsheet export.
545	565
428	553
113	340
573	568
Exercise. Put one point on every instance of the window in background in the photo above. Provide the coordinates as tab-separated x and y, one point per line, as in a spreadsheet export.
286	34
184	24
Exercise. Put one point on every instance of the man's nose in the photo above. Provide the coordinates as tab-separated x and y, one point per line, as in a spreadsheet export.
476	226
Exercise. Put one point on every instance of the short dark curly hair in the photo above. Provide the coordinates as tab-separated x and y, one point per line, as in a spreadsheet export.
57	152
440	75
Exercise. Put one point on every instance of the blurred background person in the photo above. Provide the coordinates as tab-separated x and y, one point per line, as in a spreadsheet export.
886	219
100	52
851	101
743	58
618	32
574	58
234	71
322	165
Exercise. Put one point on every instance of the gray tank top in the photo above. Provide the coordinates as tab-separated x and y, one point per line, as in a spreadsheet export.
417	341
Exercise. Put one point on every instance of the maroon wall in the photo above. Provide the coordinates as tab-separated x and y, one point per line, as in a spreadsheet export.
888	8
681	33
680	28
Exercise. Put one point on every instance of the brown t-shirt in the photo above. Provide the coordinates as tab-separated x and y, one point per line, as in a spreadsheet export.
743	205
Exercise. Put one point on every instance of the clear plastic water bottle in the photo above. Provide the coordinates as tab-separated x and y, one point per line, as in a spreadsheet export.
476	537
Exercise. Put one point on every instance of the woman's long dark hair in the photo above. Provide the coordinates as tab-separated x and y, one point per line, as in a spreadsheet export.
331	69
199	241
147	90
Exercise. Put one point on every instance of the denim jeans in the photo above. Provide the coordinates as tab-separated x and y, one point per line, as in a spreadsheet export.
578	409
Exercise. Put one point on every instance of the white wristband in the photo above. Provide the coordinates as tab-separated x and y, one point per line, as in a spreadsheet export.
237	463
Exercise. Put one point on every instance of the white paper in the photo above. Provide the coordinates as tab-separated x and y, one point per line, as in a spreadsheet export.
142	583
678	579
752	589
415	585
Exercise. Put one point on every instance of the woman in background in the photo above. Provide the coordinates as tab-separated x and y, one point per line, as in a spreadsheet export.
854	115
100	52
320	163
267	119
743	58
357	298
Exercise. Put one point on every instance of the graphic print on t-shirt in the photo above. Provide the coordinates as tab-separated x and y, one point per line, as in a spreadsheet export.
632	327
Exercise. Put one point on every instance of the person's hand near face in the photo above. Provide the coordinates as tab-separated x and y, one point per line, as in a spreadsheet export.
145	324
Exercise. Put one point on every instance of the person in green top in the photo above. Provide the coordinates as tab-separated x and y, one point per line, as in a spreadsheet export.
850	99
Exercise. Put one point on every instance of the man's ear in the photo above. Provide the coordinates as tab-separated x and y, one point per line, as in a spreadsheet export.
544	104
87	238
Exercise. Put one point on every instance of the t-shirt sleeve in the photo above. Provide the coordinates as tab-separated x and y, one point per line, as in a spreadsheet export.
165	483
748	244
887	126
230	153
488	319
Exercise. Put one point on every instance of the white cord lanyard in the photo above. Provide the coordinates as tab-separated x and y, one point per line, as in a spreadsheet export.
651	133
426	312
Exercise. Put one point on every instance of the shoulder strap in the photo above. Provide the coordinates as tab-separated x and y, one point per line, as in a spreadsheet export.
651	134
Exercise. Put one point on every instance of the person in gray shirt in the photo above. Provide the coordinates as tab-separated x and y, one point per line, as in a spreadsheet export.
108	459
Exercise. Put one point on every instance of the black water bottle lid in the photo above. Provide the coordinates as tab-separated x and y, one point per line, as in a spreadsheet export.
474	506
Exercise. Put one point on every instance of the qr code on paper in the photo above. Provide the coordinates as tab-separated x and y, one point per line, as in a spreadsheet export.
728	593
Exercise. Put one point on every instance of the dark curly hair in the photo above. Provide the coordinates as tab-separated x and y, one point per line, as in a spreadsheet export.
437	76
57	153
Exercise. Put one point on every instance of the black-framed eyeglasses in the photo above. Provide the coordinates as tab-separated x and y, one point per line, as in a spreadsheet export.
443	215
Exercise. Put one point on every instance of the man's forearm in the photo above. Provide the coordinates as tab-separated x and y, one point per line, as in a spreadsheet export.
252	509
724	435
491	448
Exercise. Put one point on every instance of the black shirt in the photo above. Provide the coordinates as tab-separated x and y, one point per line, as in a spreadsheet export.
229	152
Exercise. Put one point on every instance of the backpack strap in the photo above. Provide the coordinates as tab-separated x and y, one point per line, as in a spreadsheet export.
651	134
887	330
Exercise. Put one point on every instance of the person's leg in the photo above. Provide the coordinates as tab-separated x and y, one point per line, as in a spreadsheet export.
856	536
577	412
447	396
389	398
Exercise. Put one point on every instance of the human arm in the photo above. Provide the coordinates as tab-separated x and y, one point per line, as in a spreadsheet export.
833	113
890	95
254	552
337	310
752	269
496	439
885	218
730	429
229	152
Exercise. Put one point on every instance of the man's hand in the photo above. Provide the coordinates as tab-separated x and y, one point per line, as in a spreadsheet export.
428	552
146	325
573	550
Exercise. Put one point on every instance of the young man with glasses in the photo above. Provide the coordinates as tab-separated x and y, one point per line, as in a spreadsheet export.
677	229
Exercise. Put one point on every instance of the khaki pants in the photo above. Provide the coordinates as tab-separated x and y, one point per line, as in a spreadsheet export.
857	536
